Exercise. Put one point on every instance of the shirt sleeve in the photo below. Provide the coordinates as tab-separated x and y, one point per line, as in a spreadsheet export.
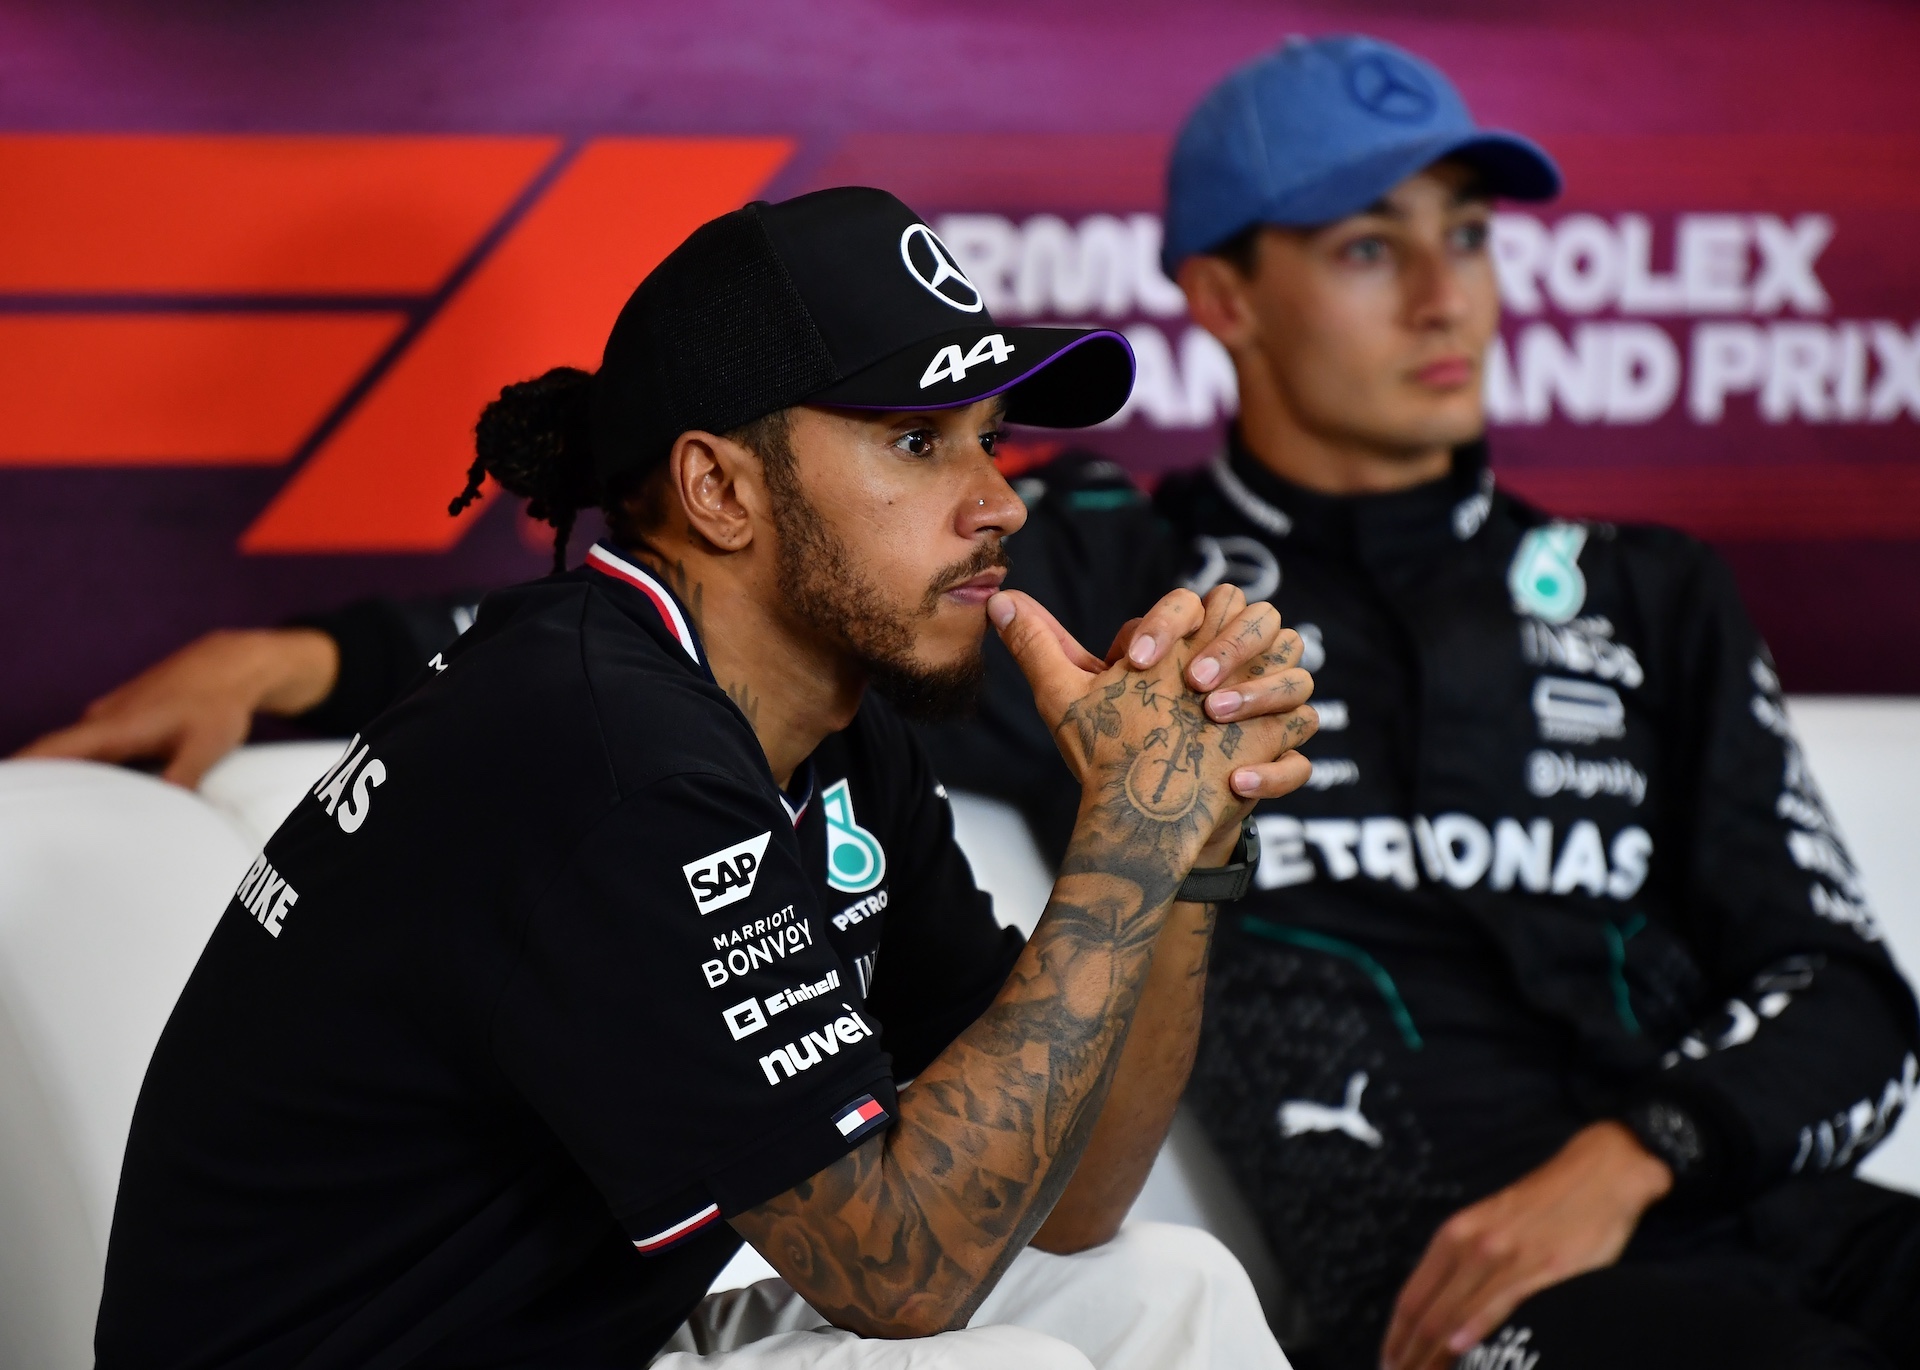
634	1022
383	645
1809	1057
943	954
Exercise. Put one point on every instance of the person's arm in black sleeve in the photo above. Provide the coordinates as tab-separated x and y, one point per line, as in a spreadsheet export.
383	644
328	673
1094	552
1812	1054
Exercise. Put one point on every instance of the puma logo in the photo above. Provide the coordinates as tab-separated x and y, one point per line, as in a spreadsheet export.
1298	1116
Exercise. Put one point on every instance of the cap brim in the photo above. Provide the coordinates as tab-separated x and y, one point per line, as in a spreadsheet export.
1052	377
1515	168
1510	167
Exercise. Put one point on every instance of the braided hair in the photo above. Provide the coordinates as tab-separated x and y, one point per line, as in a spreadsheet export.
534	441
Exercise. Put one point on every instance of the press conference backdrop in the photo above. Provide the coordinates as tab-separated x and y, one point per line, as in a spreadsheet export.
261	266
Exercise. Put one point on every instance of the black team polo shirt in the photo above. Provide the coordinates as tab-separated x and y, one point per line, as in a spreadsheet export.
543	981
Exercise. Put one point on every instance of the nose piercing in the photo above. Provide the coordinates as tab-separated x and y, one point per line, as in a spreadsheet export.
983	504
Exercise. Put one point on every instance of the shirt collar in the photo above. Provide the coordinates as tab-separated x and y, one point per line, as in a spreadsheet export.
614	564
1449	510
611	562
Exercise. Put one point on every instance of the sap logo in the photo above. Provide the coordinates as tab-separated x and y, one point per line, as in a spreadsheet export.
1577	710
949	365
727	876
265	894
790	936
347	772
815	1047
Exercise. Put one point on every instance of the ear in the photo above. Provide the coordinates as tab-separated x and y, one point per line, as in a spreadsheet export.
1217	297
718	486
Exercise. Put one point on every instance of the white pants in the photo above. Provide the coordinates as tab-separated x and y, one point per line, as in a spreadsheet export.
1157	1297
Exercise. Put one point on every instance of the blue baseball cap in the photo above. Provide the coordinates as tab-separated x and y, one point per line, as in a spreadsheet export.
1319	130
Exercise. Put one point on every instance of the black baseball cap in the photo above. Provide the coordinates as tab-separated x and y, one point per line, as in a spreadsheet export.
842	297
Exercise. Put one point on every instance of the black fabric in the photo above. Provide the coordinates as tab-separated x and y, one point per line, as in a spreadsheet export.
540	980
842	296
383	645
1816	1274
1474	1029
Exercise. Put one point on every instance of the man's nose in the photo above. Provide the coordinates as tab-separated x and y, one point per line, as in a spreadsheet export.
992	507
1436	295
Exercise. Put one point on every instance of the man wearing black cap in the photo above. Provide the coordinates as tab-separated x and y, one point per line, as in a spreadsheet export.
612	943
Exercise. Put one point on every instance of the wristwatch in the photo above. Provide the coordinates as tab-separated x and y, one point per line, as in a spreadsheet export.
1224	884
1671	1133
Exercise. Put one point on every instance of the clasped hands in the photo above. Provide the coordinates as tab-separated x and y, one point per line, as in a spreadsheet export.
1212	682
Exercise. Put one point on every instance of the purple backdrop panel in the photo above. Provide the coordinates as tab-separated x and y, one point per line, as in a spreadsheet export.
259	268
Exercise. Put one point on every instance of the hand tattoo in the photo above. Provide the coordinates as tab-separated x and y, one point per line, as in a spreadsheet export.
907	1234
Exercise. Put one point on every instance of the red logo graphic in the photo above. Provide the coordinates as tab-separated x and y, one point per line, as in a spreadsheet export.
347	302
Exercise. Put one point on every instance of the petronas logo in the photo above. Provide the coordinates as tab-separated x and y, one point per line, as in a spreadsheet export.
1545	577
855	860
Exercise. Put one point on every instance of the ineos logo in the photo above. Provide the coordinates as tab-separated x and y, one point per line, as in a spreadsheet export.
932	265
1390	88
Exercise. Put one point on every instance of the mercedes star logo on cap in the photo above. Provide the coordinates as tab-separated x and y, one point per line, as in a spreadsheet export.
931	264
1391	89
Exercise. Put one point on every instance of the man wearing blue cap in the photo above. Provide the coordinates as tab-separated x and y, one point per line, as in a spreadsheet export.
1562	981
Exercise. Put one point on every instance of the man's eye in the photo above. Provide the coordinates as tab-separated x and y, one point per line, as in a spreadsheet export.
1365	251
918	443
1470	237
990	441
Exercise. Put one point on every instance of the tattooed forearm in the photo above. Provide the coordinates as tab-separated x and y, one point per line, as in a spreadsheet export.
908	1234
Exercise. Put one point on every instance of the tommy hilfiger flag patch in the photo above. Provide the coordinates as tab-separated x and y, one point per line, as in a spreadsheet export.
860	1117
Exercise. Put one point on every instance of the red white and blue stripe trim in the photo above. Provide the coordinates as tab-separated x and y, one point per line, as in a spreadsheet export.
795	812
612	564
860	1117
679	1232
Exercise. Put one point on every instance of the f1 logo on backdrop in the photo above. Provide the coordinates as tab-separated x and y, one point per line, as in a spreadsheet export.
343	304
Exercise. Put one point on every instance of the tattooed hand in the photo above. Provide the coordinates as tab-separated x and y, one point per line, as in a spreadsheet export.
906	1235
1236	651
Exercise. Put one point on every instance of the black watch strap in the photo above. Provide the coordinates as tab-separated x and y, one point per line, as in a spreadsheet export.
1224	884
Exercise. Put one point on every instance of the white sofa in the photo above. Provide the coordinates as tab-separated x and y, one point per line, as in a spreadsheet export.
110	882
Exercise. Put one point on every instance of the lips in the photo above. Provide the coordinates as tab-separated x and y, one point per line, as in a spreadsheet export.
978	589
1445	373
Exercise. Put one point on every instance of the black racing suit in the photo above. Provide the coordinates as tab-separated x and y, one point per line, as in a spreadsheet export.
1560	860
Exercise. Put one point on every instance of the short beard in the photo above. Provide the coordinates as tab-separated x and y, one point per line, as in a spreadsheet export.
825	590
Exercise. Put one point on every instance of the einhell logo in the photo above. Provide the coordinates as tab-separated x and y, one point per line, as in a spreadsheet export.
341	306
